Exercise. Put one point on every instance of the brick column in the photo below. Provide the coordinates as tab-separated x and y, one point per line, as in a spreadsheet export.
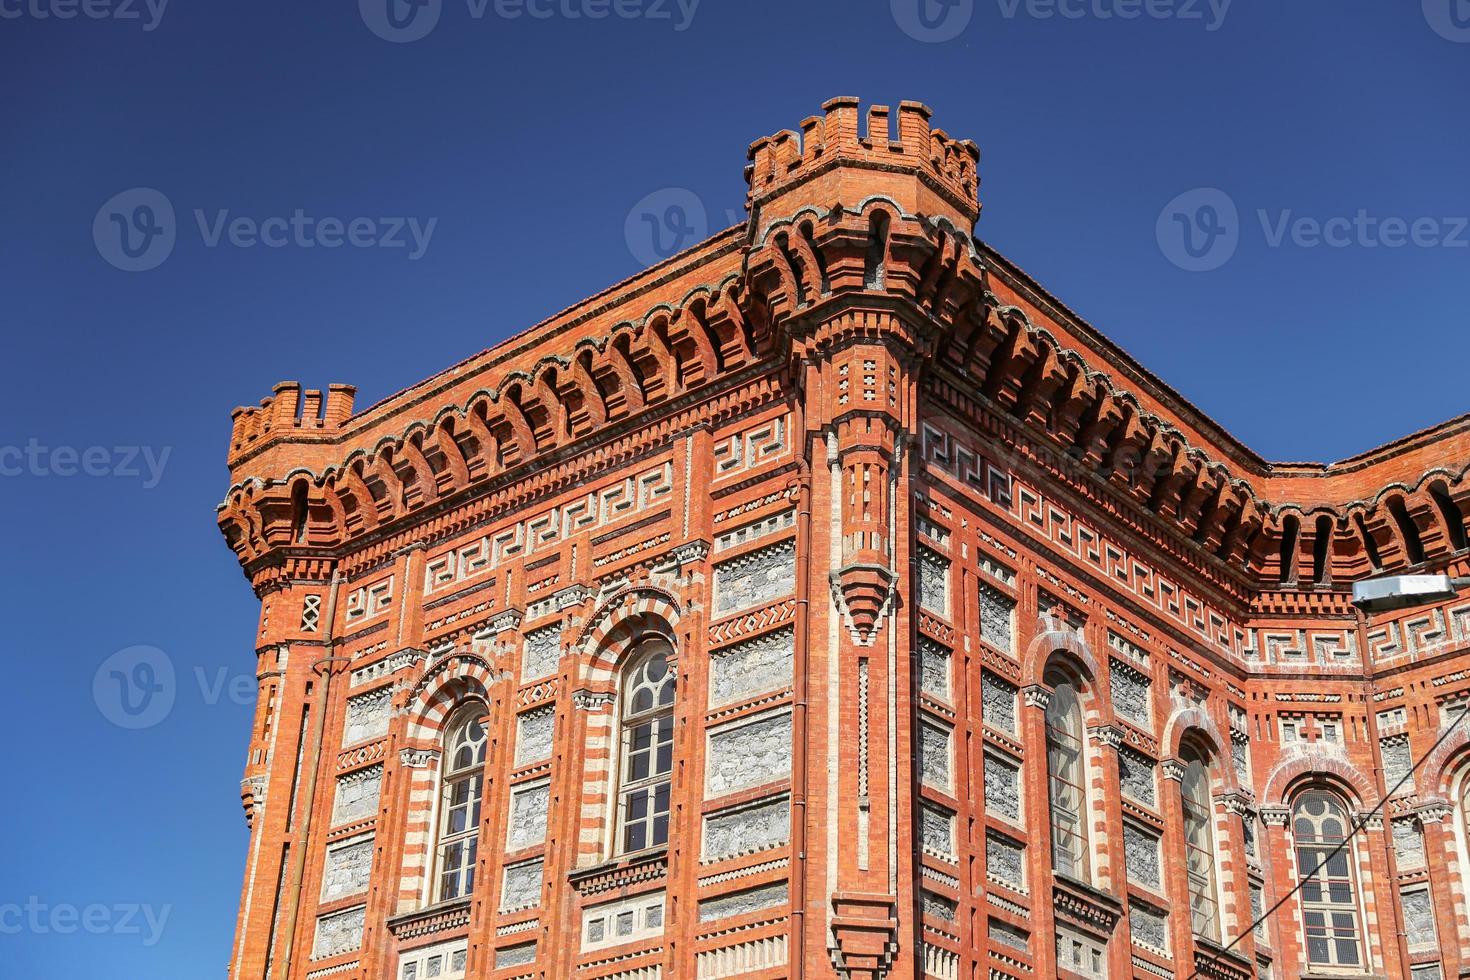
1109	854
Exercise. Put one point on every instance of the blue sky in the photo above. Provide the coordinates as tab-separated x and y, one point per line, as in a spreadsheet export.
525	144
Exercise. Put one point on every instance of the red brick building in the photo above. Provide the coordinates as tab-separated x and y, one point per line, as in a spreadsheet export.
829	600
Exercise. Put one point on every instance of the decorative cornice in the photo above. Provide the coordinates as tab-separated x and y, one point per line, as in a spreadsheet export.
1036	696
418	758
1275	816
593	700
1433	810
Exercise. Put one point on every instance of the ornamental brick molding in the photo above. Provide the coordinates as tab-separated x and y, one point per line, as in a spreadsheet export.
874	496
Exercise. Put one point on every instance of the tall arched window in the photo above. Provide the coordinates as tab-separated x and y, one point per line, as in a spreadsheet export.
1065	776
459	806
647	747
1319	823
1199	845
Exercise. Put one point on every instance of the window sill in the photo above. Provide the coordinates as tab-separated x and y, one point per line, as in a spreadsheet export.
624	870
439	917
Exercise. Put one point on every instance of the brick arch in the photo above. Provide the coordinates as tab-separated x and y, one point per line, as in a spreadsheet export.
627	614
1070	650
1442	765
1337	771
1073	650
1195	721
450	682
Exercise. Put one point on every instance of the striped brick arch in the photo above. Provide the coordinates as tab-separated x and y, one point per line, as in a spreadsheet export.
1195	722
1443	765
1042	651
627	615
1335	771
448	684
610	633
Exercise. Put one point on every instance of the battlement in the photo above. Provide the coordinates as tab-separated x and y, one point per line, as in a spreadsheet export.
788	158
288	407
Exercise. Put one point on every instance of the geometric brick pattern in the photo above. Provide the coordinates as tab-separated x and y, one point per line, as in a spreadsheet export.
877	493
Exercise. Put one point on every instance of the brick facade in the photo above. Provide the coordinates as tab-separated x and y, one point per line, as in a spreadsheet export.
891	506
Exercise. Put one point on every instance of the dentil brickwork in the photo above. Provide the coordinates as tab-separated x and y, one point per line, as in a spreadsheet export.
829	600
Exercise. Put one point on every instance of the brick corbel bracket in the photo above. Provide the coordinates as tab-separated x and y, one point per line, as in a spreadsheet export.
865	935
863	594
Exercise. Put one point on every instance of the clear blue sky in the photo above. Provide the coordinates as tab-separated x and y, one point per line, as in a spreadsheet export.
532	141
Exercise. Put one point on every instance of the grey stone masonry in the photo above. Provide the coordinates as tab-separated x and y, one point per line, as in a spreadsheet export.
522	888
739	903
1005	860
749	754
340	932
936	830
1002	787
755	579
541	652
367	716
934	660
348	869
934	754
754	667
748	829
535	733
1137	776
933	582
1148	926
528	810
998	703
1141	855
997	619
357	795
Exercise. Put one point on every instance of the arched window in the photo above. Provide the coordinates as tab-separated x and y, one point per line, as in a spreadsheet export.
1319	823
459	806
1199	845
1065	776
647	747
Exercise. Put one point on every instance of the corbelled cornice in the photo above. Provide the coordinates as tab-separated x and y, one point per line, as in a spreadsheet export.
821	267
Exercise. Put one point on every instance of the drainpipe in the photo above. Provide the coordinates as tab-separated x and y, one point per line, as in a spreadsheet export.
797	960
309	799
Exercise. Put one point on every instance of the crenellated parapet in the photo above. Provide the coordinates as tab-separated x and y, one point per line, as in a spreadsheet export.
857	235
